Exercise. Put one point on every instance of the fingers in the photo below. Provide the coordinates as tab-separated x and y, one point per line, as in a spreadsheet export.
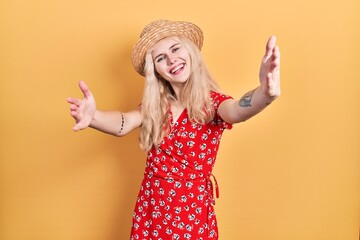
276	52
275	64
270	45
271	49
273	60
85	89
79	108
270	69
74	112
276	55
272	85
78	127
80	124
74	101
74	108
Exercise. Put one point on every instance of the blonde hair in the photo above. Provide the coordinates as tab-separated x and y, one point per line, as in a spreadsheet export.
158	95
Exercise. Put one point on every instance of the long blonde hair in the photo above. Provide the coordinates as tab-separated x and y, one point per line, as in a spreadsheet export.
158	95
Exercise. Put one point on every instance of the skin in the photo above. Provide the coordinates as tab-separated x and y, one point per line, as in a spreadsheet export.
172	62
168	56
254	101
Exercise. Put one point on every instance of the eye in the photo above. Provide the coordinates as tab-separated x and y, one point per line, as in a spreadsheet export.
159	59
175	49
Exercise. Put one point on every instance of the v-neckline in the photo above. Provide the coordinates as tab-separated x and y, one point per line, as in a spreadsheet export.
173	120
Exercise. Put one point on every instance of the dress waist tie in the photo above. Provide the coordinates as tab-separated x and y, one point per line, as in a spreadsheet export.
208	180
212	187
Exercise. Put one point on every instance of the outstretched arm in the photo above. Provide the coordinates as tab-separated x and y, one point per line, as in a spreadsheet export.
112	122
254	101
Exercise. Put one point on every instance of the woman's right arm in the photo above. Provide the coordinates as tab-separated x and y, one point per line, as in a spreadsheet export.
116	123
112	122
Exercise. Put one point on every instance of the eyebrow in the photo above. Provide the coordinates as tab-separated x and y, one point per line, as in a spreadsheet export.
171	47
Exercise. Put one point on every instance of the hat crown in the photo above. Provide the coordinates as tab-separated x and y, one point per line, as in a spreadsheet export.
152	26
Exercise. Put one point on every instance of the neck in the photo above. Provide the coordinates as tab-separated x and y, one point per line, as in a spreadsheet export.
177	91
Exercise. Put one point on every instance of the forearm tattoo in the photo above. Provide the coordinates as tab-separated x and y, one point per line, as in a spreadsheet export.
245	101
122	122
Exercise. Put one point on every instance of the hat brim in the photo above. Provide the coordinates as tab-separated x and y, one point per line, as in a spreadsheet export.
161	29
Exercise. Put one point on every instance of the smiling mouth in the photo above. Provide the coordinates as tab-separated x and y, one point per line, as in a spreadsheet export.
177	69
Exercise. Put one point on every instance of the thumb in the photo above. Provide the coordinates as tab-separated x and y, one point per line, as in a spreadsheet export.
80	126
84	88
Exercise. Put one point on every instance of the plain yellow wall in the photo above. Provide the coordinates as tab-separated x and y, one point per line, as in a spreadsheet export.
290	173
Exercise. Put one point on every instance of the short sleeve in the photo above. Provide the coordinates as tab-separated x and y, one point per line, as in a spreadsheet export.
217	99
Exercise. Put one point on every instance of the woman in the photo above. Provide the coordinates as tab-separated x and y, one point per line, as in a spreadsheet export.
182	117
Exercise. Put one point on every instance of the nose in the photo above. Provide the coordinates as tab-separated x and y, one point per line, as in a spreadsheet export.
171	59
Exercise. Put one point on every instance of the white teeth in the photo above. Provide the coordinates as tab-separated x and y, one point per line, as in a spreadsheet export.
177	68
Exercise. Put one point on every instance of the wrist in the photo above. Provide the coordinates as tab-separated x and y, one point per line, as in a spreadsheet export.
268	93
265	96
95	118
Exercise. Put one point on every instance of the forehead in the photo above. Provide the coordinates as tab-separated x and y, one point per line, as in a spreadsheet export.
164	44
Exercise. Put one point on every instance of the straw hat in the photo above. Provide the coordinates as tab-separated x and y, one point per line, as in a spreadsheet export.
158	30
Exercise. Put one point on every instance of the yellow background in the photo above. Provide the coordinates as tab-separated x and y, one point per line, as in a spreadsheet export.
290	173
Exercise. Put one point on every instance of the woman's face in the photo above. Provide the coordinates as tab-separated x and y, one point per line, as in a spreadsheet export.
172	61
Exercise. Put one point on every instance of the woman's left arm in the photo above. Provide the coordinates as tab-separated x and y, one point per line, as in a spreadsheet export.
254	101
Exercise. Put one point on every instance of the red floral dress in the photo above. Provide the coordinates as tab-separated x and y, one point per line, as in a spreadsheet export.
176	195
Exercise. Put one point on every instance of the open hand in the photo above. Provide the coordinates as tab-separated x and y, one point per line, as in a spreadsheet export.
82	110
270	69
